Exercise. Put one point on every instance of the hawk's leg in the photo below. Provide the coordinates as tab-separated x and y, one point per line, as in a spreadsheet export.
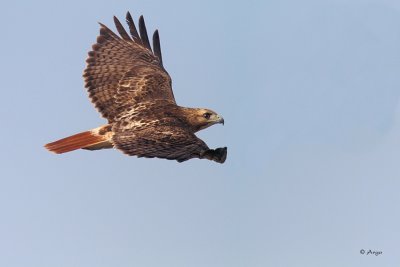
218	155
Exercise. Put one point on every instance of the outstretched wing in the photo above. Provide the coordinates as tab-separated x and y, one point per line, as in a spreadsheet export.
166	142
123	71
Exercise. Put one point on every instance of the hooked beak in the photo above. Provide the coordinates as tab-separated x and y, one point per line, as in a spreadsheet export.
221	120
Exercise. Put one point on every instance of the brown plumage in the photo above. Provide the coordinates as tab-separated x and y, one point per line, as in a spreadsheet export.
129	86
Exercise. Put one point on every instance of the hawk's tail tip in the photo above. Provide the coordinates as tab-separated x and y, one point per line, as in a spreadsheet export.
81	140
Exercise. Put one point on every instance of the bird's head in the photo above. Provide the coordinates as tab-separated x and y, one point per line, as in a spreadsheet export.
201	118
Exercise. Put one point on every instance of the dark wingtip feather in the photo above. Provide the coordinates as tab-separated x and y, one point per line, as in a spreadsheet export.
106	32
157	46
132	27
143	33
121	30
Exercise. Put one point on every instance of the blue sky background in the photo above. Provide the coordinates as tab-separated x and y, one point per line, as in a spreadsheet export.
310	95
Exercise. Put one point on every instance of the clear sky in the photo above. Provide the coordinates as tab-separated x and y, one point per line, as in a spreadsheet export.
310	95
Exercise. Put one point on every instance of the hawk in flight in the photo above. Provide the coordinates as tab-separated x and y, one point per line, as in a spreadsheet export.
126	81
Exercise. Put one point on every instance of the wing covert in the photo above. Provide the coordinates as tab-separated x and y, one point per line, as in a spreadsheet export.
166	142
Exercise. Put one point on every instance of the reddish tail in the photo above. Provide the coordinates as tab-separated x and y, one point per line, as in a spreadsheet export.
86	140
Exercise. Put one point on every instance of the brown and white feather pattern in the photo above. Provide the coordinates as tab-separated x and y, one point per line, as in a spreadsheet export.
161	142
122	72
129	86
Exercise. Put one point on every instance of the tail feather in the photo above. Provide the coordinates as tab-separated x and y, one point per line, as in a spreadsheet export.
81	140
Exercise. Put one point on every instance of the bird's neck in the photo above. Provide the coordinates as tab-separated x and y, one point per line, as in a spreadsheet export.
190	117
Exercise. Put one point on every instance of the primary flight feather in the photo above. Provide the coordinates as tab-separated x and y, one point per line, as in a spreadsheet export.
127	83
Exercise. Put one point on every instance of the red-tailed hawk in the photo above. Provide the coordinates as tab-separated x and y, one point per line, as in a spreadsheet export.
129	86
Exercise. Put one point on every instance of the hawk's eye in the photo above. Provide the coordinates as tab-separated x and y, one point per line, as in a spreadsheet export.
207	115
